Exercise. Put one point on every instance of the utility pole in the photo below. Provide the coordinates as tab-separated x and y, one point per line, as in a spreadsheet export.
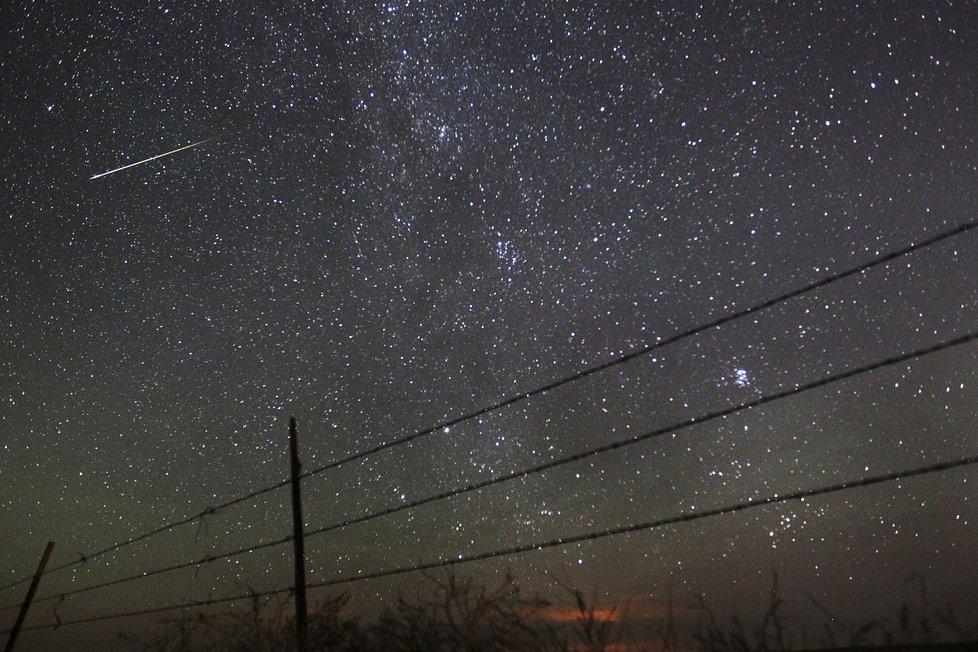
297	532
30	596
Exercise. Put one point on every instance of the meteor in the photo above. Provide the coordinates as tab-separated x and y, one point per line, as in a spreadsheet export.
153	158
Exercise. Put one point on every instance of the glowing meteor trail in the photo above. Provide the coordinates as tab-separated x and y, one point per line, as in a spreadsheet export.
153	158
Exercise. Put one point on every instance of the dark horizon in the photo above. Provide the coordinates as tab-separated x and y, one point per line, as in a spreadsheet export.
379	217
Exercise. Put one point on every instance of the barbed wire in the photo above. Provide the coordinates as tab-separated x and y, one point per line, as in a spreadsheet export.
522	396
686	423
645	350
84	559
622	359
687	517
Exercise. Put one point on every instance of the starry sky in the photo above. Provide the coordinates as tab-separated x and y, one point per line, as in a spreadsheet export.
412	209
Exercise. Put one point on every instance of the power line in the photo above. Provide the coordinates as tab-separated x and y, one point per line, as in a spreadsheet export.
682	425
517	398
554	543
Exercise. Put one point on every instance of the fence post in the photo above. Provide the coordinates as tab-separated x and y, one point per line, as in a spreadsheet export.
30	596
297	533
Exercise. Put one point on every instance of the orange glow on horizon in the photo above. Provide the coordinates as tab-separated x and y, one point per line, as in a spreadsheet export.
565	613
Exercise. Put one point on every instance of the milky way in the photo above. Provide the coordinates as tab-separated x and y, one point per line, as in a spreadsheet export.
417	209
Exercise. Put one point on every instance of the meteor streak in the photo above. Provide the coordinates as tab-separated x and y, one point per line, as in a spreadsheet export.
153	158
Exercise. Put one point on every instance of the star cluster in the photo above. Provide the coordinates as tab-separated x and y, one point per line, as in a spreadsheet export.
414	209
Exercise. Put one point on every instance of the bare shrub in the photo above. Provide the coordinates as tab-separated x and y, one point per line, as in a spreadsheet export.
916	623
446	614
266	625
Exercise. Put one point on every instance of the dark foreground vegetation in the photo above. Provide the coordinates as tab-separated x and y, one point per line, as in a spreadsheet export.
454	615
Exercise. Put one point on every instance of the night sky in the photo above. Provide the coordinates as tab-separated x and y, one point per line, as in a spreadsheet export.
410	210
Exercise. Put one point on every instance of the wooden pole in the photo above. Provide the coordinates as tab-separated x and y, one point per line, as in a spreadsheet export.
297	533
30	596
